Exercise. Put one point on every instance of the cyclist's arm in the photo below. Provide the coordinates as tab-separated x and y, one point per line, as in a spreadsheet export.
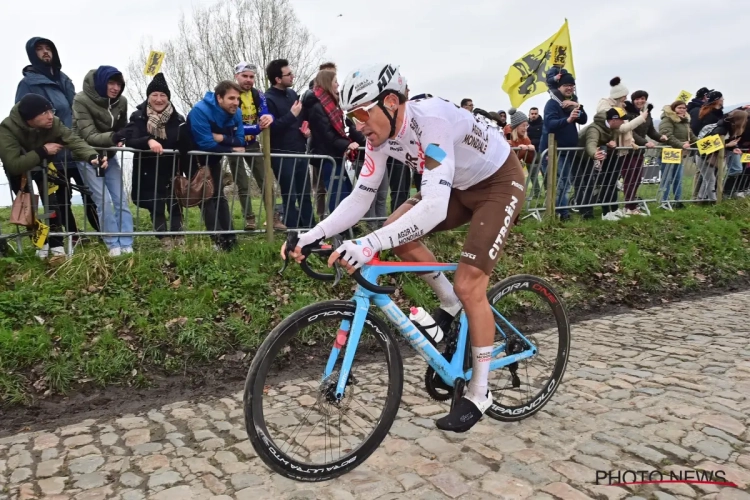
356	205
435	191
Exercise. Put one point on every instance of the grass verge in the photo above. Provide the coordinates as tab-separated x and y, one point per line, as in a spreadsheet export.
102	321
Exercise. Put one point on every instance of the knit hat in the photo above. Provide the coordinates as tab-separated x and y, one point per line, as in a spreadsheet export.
567	79
618	90
615	114
517	118
158	84
702	92
714	96
639	94
32	105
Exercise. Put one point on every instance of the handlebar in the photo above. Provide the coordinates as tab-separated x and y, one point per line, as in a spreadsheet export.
325	251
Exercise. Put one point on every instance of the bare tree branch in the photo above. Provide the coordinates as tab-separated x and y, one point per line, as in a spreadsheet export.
216	37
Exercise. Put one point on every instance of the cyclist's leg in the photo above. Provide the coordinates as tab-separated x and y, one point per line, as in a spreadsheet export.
496	202
416	251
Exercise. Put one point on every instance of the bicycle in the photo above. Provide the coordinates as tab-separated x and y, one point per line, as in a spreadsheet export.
359	331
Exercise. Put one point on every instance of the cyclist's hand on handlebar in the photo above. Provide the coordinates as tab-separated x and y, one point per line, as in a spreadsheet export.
353	254
296	254
310	237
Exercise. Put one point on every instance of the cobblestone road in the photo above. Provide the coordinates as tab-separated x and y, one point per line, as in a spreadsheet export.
666	388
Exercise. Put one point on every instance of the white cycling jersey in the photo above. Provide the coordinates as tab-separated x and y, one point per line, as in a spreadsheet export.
448	145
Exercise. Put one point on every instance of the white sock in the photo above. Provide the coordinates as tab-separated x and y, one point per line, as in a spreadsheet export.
480	371
444	290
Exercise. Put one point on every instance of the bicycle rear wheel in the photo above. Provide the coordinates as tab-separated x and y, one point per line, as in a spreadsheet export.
292	417
528	309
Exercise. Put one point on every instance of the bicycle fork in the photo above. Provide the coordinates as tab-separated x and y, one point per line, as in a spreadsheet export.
347	337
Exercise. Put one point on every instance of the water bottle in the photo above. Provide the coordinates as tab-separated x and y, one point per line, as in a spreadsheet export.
428	325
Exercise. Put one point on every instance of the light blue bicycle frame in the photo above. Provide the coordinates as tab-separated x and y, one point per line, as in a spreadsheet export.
449	371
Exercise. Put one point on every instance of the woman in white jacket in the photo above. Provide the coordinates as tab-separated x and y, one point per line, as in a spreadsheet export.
613	166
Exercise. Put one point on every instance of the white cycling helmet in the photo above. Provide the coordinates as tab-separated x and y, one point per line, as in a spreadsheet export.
366	84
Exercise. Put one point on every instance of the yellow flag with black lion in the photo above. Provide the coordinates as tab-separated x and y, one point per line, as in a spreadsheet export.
527	76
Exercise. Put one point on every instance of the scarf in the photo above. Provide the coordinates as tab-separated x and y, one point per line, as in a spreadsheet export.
332	109
157	122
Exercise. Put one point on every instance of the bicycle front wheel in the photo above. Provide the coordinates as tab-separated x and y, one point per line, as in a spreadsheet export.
294	421
528	312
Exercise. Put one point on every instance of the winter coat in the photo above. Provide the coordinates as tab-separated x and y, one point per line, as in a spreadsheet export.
523	155
697	123
208	118
21	146
325	140
47	80
152	173
596	135
286	136
624	137
676	129
535	131
645	131
556	122
97	118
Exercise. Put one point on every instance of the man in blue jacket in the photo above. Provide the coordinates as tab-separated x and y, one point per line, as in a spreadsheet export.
561	118
45	78
215	125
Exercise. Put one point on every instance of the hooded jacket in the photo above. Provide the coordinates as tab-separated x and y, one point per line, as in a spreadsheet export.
645	131
596	135
96	117
556	122
49	81
676	129
208	118
21	145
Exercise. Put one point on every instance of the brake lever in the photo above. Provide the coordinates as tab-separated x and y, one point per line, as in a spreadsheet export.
292	238
337	242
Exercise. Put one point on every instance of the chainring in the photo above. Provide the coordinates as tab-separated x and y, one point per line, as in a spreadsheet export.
433	383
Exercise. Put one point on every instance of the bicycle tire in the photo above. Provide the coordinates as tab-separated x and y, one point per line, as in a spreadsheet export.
255	424
526	282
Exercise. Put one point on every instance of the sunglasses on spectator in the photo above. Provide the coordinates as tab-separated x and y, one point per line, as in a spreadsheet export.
361	114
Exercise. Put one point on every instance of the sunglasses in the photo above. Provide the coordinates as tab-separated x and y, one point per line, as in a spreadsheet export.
361	114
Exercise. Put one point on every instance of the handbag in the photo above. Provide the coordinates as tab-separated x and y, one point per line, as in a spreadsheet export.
191	192
22	211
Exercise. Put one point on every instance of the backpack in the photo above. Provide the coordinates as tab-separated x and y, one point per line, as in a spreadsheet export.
706	131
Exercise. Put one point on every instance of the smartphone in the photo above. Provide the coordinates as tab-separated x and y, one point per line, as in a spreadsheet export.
305	127
99	169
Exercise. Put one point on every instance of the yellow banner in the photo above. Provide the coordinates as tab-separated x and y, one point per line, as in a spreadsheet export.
153	63
52	188
527	76
684	96
39	238
670	155
745	158
709	144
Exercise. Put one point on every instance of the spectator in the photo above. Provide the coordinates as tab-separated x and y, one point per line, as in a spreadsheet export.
519	125
596	139
256	118
467	104
536	124
675	126
632	172
554	78
288	138
45	77
100	113
709	114
561	118
155	126
697	103
620	158
730	128
215	125
28	136
328	135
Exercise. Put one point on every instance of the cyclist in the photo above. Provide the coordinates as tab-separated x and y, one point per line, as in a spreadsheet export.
468	175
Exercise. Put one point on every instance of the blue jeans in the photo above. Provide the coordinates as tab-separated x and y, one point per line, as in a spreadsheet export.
295	191
113	220
671	176
564	167
339	179
734	165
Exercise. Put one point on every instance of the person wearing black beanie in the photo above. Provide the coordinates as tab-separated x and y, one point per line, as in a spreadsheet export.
32	105
159	84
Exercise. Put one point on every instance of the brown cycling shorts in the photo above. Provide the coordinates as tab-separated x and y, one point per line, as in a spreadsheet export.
491	208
